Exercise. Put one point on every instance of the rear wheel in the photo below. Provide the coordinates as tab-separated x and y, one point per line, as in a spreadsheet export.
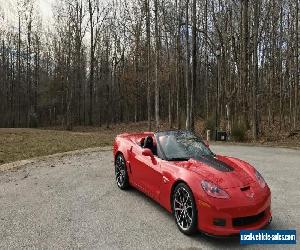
121	172
184	209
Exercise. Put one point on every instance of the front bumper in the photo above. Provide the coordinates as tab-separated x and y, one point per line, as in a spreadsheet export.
238	214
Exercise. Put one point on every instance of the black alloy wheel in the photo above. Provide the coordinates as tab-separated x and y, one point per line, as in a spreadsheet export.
121	172
184	209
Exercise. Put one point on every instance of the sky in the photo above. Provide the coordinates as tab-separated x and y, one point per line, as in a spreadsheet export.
45	6
8	10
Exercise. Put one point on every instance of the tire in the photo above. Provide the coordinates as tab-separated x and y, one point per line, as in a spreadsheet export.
121	172
184	209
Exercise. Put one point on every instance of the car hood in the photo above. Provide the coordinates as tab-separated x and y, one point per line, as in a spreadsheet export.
226	172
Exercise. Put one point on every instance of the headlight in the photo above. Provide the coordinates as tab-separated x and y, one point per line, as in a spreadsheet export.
260	179
213	190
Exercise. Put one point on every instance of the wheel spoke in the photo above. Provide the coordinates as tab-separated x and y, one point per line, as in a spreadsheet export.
120	171
178	209
180	204
189	217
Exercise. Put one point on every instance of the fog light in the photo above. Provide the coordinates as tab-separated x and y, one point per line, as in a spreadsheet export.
219	222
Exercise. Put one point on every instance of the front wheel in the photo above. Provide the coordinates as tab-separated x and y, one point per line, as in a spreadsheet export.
121	172
184	209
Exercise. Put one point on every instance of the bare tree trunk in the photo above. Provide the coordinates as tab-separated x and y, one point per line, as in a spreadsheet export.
37	76
29	84
187	69
297	66
178	55
281	71
69	94
194	64
157	51
148	63
256	78
92	58
169	78
245	57
19	73
206	59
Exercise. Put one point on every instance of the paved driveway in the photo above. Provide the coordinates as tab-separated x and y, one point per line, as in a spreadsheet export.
73	202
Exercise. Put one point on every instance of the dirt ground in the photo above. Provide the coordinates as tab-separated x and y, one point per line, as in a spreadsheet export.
23	143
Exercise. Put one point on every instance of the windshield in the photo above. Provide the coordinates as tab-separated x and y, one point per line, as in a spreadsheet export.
182	145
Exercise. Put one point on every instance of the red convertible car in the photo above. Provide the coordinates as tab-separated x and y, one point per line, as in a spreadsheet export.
215	194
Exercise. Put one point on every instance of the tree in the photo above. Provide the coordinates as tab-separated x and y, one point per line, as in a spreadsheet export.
178	61
92	59
255	128
194	63
297	68
157	51
187	68
147	8
244	56
133	60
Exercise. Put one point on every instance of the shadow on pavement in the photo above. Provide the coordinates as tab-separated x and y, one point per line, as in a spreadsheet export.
210	241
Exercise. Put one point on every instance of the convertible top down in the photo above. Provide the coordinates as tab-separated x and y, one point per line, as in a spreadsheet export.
215	194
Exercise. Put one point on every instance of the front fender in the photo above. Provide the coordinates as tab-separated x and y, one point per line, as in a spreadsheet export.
173	175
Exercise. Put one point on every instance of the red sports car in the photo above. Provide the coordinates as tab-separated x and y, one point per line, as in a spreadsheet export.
215	194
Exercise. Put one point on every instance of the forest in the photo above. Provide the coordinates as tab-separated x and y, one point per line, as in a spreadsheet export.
230	63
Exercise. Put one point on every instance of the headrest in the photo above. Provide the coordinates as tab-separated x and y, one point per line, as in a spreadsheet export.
148	142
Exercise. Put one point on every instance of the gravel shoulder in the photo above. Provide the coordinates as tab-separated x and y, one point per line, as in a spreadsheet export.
71	201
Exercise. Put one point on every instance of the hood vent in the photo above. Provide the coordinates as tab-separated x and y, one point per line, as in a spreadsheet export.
215	163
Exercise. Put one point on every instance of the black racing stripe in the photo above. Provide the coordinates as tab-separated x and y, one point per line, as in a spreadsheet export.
215	163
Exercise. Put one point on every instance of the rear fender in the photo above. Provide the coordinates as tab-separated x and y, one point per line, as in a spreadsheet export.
124	147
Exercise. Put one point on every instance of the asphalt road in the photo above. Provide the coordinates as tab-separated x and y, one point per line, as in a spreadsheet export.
73	202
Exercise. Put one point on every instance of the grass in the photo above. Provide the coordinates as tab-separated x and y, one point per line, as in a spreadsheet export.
23	143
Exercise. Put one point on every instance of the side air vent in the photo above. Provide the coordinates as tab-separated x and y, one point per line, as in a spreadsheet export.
245	188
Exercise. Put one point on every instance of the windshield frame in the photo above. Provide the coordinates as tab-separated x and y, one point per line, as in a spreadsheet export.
160	150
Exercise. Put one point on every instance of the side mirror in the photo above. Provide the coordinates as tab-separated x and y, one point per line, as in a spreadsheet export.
147	152
206	143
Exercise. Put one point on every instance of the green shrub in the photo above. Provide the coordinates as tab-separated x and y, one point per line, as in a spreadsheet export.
33	120
238	133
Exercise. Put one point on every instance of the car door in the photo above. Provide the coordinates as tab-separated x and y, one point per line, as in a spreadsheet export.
146	172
